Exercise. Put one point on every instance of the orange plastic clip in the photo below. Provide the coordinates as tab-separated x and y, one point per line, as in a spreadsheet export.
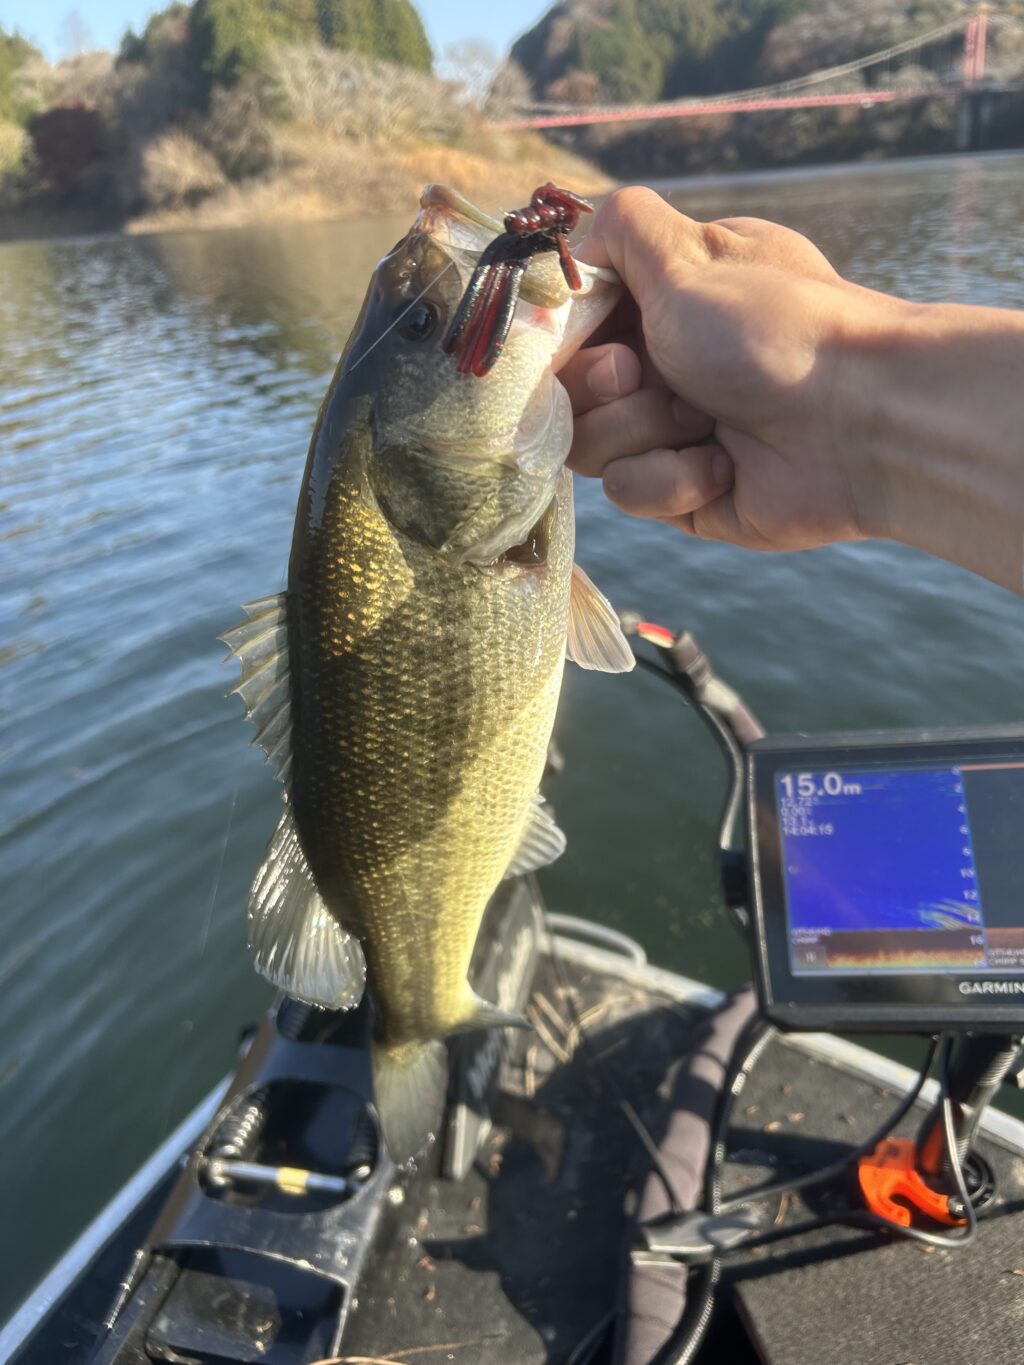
890	1171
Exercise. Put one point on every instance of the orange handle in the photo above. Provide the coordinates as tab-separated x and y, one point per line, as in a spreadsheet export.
889	1173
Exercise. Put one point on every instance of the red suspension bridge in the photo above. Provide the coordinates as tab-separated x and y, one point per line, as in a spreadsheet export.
948	61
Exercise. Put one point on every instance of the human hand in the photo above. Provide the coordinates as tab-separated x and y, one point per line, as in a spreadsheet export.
718	397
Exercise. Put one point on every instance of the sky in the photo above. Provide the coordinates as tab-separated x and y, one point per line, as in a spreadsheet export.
447	21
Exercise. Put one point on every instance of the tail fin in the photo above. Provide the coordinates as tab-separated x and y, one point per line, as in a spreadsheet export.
409	1085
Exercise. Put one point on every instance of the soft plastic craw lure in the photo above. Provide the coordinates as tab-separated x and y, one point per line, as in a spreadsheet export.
482	321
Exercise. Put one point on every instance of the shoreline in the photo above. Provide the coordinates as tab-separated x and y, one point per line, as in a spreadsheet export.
281	200
347	182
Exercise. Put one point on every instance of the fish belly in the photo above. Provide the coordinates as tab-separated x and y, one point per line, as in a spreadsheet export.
424	694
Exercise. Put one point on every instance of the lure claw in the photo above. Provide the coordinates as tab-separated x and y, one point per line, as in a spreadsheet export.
481	324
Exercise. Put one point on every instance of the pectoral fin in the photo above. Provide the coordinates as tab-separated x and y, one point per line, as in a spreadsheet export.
595	636
296	941
541	843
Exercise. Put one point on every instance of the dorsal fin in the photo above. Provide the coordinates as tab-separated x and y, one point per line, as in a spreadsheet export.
595	637
260	644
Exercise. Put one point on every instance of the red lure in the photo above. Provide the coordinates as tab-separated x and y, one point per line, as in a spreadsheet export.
481	324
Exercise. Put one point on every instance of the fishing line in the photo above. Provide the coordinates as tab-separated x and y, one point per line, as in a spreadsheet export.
204	939
395	321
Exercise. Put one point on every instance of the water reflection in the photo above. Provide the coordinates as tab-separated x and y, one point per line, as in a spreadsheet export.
288	292
928	229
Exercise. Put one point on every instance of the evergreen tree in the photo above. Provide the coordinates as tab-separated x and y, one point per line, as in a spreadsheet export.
388	29
15	51
230	37
715	44
651	49
162	29
619	51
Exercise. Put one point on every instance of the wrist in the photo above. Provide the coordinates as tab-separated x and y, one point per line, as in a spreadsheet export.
934	429
872	407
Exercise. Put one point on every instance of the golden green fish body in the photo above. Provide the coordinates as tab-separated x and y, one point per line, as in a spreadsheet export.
406	682
424	693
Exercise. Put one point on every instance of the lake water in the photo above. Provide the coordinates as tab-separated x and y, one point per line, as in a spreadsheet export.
157	399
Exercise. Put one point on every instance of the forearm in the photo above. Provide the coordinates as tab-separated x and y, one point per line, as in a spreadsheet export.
940	463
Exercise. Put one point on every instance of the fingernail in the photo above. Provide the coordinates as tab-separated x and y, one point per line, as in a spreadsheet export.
612	479
721	469
603	378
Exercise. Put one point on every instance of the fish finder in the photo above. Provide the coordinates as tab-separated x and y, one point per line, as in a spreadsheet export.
886	875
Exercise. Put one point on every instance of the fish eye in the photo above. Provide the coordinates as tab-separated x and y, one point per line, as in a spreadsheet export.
419	322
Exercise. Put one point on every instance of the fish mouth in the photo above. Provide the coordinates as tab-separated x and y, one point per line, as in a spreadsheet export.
453	222
462	232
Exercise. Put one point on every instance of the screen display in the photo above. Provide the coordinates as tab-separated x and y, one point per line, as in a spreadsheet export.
903	869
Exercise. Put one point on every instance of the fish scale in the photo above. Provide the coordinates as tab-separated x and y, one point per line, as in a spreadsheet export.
418	741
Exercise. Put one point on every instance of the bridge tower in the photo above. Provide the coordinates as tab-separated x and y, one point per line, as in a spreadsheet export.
975	41
974	110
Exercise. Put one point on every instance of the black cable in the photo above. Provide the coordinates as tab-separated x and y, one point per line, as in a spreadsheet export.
698	1317
839	1167
954	1157
723	737
693	1332
866	1218
734	796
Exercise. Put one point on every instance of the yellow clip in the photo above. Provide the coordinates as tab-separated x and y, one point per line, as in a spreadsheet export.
292	1180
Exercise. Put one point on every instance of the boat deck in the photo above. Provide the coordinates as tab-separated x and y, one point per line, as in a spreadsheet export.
843	1294
521	1261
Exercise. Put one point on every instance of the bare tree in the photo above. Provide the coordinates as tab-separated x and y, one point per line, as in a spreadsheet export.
472	66
510	90
74	36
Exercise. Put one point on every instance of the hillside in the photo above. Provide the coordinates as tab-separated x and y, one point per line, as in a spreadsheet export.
669	49
228	112
608	51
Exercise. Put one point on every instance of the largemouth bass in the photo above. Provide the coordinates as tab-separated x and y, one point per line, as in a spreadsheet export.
405	684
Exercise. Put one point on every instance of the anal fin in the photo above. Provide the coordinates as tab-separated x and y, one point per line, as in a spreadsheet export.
541	842
595	637
296	942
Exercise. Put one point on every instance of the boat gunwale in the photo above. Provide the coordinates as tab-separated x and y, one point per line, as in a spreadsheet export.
17	1332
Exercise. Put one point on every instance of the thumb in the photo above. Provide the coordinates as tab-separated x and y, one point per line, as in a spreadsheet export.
643	239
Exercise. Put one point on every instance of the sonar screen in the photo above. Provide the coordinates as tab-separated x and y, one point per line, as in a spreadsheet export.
906	870
892	862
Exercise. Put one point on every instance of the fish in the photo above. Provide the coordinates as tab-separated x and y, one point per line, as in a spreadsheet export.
950	915
404	684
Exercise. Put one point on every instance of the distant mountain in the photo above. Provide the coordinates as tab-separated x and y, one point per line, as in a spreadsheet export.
583	51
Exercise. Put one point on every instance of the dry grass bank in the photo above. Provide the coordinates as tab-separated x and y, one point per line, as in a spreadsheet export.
310	133
325	178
